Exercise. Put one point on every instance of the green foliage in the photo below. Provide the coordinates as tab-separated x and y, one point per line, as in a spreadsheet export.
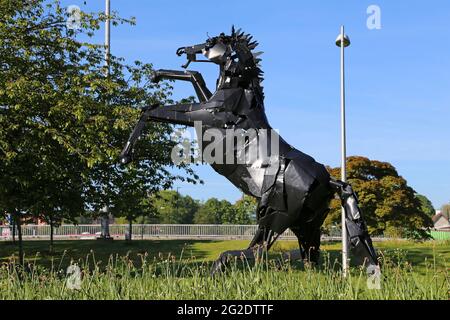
174	208
389	205
63	122
170	207
244	211
426	205
214	211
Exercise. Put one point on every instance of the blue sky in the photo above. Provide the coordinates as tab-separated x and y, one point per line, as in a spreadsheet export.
398	77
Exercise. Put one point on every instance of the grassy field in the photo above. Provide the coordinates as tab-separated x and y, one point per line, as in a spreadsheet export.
180	270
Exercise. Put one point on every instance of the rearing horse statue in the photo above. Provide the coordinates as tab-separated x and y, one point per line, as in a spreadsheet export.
292	189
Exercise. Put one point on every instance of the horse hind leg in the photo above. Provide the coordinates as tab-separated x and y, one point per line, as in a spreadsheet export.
309	244
307	230
262	242
358	236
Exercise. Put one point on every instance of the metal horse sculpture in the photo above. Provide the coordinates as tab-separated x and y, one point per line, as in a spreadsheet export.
292	189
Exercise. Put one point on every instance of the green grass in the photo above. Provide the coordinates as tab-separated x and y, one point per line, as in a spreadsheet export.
180	270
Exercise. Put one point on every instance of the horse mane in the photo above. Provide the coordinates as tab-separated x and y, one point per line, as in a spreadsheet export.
248	46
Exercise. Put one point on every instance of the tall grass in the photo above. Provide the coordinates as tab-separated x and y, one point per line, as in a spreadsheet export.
168	277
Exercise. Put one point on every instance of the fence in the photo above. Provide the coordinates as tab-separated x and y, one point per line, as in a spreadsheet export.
143	231
165	231
440	235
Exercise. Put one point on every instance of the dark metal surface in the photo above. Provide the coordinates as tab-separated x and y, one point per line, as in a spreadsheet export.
292	189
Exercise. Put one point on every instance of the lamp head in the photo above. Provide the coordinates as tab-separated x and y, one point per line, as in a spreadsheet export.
339	40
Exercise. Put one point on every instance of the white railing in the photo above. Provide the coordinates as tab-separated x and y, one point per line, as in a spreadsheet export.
166	231
148	231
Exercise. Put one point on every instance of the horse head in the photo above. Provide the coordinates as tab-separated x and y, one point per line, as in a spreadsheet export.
239	65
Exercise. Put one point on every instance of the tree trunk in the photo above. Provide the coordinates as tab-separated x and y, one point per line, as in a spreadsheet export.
13	221
130	229
19	230
142	228
51	234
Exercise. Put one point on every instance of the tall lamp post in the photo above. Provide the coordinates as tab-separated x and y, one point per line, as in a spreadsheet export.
343	41
105	211
107	35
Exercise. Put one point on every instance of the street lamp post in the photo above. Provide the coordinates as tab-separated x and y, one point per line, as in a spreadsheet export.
343	41
107	35
105	211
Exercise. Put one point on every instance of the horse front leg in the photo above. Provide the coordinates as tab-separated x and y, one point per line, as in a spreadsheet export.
194	77
181	114
126	154
262	242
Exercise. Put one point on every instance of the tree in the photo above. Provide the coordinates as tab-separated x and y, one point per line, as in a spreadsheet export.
389	205
214	211
244	211
426	205
227	213
173	208
63	122
132	197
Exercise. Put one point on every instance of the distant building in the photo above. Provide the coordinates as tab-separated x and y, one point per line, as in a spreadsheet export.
441	221
29	220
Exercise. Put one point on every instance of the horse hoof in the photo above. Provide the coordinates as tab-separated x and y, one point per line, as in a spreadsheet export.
155	77
124	160
218	267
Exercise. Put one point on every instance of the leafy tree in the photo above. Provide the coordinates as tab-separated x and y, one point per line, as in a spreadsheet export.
389	205
244	212
63	122
227	213
214	211
173	208
426	205
132	197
